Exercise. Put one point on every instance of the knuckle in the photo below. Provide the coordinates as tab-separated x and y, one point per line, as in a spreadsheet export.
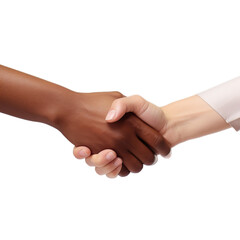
118	101
97	162
138	98
117	94
120	140
88	162
111	175
98	171
158	141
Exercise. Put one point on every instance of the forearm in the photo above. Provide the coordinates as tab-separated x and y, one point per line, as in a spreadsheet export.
191	118
31	98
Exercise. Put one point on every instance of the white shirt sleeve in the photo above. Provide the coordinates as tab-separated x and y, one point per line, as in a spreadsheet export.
225	99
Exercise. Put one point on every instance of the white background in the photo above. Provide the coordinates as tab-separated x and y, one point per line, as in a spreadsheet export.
162	50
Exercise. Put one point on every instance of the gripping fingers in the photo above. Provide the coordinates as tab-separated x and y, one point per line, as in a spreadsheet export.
153	139
124	171
81	152
132	163
115	172
143	153
109	167
101	159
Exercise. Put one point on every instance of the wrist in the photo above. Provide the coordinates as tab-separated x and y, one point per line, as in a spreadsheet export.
170	130
191	118
61	106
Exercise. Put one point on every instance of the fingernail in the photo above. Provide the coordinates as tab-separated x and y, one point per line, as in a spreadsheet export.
110	156
169	155
155	160
110	115
82	153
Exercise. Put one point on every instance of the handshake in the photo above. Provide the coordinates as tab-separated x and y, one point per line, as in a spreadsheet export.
133	128
116	134
125	133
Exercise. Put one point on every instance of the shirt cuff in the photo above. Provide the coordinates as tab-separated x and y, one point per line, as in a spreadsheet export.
225	100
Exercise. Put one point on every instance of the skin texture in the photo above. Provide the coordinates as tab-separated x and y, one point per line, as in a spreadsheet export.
177	122
80	117
100	161
125	137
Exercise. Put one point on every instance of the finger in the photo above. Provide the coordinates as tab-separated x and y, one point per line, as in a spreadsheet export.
169	155
101	159
109	167
124	171
115	172
131	162
81	152
152	138
143	153
120	106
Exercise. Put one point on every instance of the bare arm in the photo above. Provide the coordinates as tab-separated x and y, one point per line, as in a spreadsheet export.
80	117
177	122
28	97
191	118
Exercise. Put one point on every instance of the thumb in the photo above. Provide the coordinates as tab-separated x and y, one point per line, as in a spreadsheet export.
121	106
148	112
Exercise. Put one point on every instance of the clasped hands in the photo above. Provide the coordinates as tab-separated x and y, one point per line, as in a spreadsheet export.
80	117
116	134
129	142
